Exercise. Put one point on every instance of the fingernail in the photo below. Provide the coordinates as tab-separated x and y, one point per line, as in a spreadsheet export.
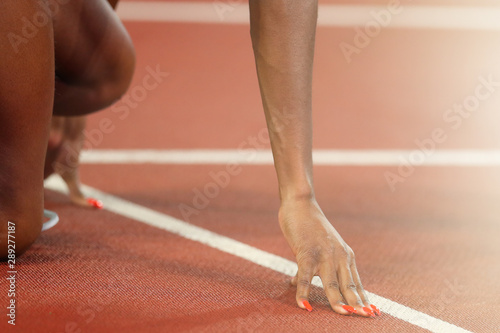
369	311
349	308
375	309
96	203
307	306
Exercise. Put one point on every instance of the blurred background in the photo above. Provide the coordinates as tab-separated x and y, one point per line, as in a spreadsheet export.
390	77
394	89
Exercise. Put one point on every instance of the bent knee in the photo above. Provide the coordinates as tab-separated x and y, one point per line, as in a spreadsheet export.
116	78
100	84
112	81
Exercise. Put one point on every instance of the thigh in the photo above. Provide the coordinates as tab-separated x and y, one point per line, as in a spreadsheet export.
26	99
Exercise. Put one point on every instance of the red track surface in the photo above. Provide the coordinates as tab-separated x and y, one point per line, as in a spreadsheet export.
431	245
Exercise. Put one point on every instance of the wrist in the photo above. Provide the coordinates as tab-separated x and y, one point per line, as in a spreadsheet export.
297	193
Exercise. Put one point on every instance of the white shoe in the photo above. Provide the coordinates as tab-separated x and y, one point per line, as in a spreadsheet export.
53	219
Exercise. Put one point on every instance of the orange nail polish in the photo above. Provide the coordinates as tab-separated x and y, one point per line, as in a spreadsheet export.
375	309
349	308
307	306
96	203
369	311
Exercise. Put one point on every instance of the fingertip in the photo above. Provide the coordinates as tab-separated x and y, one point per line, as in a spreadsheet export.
304	304
376	310
95	203
368	311
348	310
307	306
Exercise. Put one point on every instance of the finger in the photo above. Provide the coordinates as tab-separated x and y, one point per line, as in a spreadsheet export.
332	290
303	282
350	293
95	203
361	290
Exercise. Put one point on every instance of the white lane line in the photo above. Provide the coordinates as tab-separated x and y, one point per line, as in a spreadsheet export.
244	251
411	16
461	158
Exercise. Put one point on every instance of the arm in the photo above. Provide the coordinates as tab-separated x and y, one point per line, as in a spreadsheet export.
283	36
283	40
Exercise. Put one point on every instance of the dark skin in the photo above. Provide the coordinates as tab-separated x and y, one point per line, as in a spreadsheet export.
94	59
283	37
89	68
94	72
65	144
26	107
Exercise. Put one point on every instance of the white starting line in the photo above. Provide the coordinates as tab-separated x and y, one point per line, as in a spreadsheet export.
236	12
450	158
244	251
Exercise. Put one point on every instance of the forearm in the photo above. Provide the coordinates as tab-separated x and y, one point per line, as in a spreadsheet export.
283	35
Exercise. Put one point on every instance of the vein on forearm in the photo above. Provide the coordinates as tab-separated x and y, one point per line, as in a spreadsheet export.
283	35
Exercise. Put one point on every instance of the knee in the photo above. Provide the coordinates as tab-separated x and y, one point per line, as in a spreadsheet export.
117	75
101	86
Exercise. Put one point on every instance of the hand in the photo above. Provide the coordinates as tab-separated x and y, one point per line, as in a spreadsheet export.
320	250
63	157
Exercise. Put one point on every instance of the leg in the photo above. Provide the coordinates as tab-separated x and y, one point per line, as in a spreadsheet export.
67	132
95	57
26	100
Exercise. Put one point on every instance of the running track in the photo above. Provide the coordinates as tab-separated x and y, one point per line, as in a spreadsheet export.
427	247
